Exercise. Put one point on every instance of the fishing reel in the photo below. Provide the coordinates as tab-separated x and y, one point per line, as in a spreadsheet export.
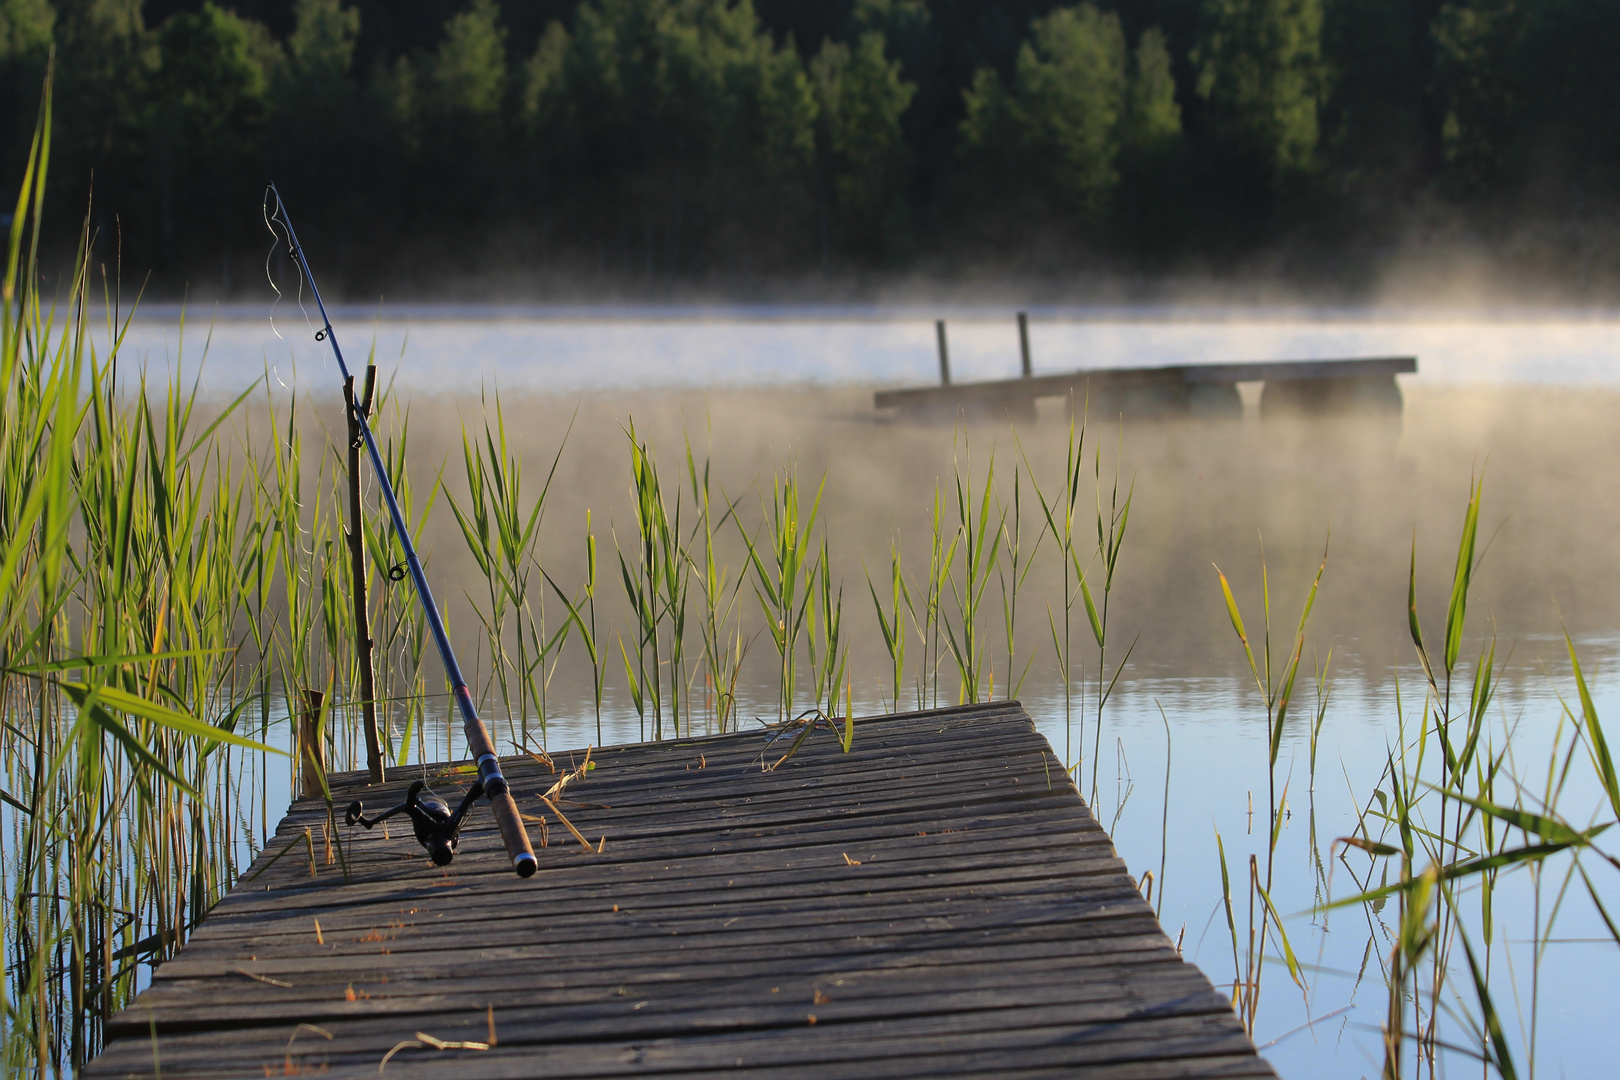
437	829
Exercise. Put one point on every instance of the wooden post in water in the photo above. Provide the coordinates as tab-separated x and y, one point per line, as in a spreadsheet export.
357	564
311	747
1023	342
944	355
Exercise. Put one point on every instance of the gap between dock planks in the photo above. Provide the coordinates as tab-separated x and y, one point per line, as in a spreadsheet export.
938	902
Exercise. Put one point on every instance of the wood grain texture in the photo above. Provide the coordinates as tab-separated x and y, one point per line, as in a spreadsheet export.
938	902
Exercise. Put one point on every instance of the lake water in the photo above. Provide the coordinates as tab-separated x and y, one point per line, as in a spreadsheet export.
1529	398
573	349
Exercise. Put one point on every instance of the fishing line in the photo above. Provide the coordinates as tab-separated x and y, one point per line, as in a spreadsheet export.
300	266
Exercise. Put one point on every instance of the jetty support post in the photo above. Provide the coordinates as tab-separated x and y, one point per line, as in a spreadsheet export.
357	565
944	354
311	747
1023	343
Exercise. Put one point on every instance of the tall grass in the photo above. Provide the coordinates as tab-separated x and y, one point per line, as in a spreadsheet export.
978	537
503	534
129	551
1013	571
895	623
1275	684
172	585
720	622
785	576
1079	563
1450	815
656	584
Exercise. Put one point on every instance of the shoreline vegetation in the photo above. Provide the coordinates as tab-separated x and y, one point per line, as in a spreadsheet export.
173	581
726	148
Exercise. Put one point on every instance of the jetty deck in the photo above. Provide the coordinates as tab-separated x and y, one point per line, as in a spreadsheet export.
937	902
1304	386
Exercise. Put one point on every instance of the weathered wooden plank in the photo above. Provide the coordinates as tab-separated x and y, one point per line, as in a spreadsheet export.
1111	381
840	831
937	902
616	934
464	981
418	927
627	1009
1267	370
986	1043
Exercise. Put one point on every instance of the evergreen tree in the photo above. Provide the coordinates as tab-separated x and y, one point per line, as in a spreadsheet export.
104	62
1259	66
861	97
321	47
25	39
468	72
1152	117
1477	42
694	133
25	28
1071	94
321	145
544	76
1064	123
1377	120
210	101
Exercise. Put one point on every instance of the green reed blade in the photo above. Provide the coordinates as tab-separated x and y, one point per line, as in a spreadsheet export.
1457	610
1550	829
1603	912
1598	745
1372	847
91	713
1502	1056
1282	936
135	705
1091	612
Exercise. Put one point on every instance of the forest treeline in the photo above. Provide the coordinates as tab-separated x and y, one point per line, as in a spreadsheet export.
728	142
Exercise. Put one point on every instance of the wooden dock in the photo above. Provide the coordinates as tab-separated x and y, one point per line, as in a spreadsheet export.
938	902
1304	386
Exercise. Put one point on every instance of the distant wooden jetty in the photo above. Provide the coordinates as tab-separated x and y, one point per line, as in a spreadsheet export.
1363	384
938	902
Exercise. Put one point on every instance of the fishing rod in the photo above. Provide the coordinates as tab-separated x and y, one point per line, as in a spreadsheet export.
440	825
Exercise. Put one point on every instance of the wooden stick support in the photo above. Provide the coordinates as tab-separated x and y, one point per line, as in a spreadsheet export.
944	354
357	567
1023	343
311	747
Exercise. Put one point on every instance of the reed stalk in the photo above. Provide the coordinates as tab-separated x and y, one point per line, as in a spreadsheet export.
1276	686
656	586
1012	574
1058	514
122	535
978	536
502	533
896	623
720	623
784	585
